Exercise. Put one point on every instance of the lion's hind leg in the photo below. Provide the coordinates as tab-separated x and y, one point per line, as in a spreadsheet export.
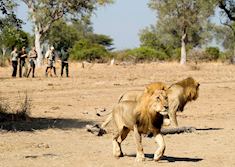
125	131
117	150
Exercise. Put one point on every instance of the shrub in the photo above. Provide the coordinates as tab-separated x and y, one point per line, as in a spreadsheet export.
146	53
213	53
20	114
4	60
86	50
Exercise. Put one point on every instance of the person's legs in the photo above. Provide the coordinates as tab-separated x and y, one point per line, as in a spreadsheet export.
54	69
30	69
14	66
25	69
20	69
62	68
33	67
67	69
46	72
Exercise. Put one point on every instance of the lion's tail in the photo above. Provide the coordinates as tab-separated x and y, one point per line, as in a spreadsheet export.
107	121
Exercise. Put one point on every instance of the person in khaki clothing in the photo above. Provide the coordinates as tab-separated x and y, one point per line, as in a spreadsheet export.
14	61
32	61
23	64
50	56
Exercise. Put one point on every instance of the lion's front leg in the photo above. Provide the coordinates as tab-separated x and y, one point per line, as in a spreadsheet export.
139	147
160	151
172	113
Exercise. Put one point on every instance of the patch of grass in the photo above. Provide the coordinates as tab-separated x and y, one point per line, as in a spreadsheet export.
8	114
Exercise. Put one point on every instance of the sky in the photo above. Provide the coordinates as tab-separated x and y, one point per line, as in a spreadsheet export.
122	21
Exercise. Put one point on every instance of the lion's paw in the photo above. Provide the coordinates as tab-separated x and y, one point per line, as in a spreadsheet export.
157	157
140	158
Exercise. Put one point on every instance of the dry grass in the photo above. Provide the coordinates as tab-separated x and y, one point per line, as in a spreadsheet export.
8	114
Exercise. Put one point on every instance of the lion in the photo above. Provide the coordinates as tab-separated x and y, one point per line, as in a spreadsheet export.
143	117
179	94
135	95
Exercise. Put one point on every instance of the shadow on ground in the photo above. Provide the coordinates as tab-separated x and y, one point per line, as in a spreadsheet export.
170	158
43	123
208	129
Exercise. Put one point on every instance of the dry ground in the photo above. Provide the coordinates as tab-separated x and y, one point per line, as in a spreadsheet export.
62	107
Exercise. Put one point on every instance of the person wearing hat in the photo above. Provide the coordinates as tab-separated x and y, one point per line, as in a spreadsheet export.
23	57
50	56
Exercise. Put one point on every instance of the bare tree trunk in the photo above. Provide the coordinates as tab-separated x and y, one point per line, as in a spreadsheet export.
38	46
183	50
4	50
233	58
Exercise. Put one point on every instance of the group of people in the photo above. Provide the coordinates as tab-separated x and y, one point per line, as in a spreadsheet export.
21	58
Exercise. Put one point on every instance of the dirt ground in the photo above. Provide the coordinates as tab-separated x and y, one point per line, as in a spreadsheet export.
61	108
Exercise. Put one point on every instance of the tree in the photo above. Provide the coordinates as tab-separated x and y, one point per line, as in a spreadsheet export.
11	36
85	49
66	38
101	39
8	16
185	19
228	14
72	32
159	40
44	13
228	8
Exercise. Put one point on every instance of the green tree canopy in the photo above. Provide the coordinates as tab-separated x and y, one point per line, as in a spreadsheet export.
44	13
184	21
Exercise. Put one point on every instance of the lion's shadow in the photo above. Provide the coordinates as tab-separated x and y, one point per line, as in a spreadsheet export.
44	123
170	158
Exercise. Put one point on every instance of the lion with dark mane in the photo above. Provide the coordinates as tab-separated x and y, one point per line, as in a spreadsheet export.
142	116
179	94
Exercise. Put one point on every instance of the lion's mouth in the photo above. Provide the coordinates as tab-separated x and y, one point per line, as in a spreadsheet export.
164	112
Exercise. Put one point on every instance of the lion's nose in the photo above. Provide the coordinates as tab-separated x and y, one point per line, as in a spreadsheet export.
166	107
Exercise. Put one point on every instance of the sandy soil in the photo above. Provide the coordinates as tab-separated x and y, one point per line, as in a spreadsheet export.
63	106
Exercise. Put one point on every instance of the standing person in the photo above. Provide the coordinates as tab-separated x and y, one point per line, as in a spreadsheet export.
32	60
23	56
14	61
50	56
64	61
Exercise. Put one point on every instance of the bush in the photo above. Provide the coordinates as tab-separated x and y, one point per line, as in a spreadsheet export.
213	53
86	50
20	114
4	60
146	53
176	54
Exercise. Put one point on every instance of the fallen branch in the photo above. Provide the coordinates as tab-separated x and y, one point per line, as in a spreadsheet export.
166	131
98	131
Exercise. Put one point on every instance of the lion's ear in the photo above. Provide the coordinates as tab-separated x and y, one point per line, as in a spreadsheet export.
198	84
148	90
164	87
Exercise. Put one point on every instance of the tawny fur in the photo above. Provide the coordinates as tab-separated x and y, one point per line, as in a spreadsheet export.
179	94
142	116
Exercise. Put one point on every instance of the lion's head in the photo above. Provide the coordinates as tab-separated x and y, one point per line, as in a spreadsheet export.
158	102
150	109
150	89
191	88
